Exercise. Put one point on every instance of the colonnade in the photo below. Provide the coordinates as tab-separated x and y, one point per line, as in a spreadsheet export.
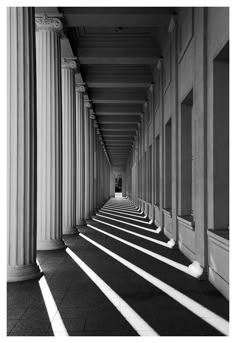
57	163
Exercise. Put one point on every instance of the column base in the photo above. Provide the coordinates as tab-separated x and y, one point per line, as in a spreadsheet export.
198	271
81	222
159	229
70	231
23	273
51	245
171	243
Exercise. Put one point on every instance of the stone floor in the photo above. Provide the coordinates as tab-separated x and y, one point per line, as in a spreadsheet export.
117	300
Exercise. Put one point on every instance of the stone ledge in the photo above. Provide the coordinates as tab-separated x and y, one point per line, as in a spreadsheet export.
187	223
219	235
167	211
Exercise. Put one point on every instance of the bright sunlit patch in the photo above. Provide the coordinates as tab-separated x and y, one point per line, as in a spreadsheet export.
137	323
118	195
161	258
208	316
58	326
138	214
124	209
117	215
124	213
134	233
130	224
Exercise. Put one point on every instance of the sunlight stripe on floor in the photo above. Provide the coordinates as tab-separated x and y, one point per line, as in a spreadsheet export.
122	221
58	326
134	233
122	208
132	317
119	216
158	257
206	315
124	213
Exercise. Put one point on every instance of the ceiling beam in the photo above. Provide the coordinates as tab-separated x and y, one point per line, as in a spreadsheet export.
117	17
103	100
119	108
132	60
118	140
118	119
114	84
113	133
118	127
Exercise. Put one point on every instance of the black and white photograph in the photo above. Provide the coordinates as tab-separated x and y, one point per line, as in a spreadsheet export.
117	149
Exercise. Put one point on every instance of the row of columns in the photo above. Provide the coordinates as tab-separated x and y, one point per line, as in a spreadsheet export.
58	168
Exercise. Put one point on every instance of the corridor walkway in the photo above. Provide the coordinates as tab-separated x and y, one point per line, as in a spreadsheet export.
118	277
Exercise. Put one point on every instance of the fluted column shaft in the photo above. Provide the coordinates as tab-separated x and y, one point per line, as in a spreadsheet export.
91	155
95	168
98	170
68	143
87	161
80	156
102	173
21	135
49	135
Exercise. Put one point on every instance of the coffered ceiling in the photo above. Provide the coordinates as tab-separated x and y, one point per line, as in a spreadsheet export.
117	49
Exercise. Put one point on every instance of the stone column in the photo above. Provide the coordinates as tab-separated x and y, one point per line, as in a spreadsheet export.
143	158
49	134
161	146
21	144
123	183
68	143
98	170
87	159
80	189
153	157
95	166
102	172
91	155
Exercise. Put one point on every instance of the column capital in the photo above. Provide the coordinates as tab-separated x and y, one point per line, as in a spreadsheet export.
91	114
173	22
80	88
68	63
49	22
87	103
159	63
150	88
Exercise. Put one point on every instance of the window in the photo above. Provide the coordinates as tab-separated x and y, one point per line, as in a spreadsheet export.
221	139
186	158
